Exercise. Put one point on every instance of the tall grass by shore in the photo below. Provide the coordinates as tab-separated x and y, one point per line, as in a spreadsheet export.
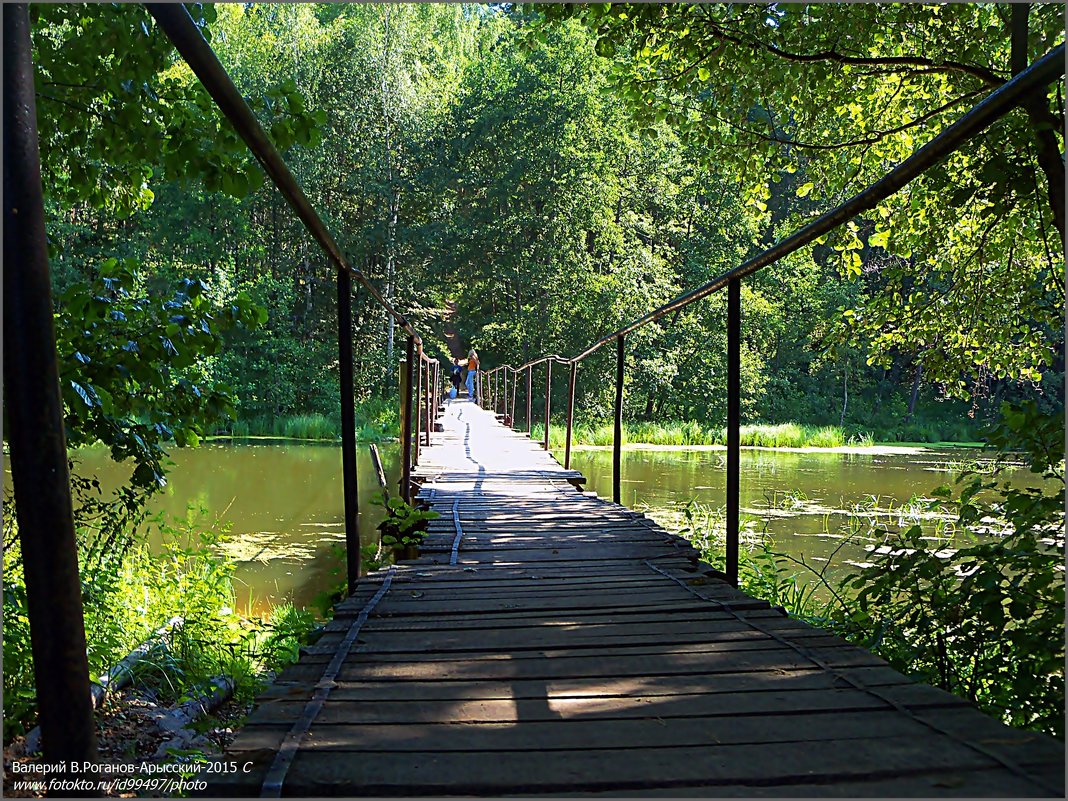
376	420
783	435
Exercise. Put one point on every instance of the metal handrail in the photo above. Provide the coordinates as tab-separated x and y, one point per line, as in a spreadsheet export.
420	376
45	515
178	25
994	106
997	104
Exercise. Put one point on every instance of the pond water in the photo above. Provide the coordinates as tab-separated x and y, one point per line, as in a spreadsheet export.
283	502
800	500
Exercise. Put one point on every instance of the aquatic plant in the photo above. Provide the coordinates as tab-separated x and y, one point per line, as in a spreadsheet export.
985	621
783	435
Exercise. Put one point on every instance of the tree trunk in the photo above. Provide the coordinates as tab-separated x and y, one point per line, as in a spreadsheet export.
394	195
391	275
915	390
845	396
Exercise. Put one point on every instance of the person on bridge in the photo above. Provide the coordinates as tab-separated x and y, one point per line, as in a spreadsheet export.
472	375
456	376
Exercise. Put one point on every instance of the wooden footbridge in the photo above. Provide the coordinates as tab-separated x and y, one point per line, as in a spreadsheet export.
547	641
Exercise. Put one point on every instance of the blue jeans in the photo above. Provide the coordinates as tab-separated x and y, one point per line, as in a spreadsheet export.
472	376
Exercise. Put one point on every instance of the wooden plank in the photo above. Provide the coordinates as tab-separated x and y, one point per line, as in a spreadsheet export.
553	660
588	666
578	612
649	685
550	706
319	772
651	732
992	782
584	620
549	636
755	642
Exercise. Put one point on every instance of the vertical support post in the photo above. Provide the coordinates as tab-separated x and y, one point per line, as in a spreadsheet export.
530	377
35	426
504	394
437	389
734	440
548	397
617	435
430	396
570	414
348	429
417	438
515	389
406	420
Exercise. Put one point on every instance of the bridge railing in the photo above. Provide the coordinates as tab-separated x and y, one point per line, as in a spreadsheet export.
996	105
420	372
38	446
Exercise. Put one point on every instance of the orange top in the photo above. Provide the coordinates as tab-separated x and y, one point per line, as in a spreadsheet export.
472	364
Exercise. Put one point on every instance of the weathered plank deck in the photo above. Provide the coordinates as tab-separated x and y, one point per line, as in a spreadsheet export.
548	642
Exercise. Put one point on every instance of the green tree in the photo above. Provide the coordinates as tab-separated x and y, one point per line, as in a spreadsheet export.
839	93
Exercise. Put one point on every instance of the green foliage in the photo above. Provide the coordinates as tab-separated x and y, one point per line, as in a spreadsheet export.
801	105
404	525
127	600
310	426
485	159
20	699
130	364
783	435
126	112
984	621
762	572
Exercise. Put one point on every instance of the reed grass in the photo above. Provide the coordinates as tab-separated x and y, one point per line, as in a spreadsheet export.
376	420
679	434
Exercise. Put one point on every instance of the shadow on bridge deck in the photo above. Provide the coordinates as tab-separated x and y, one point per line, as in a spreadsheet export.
549	642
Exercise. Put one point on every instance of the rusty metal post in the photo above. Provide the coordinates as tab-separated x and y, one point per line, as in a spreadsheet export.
617	436
548	397
35	426
417	438
504	394
530	393
570	413
348	429
734	440
406	420
430	373
515	389
437	389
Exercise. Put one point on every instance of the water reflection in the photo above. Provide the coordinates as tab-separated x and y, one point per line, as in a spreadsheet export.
283	502
800	498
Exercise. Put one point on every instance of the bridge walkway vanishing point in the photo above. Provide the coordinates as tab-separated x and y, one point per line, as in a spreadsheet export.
549	642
